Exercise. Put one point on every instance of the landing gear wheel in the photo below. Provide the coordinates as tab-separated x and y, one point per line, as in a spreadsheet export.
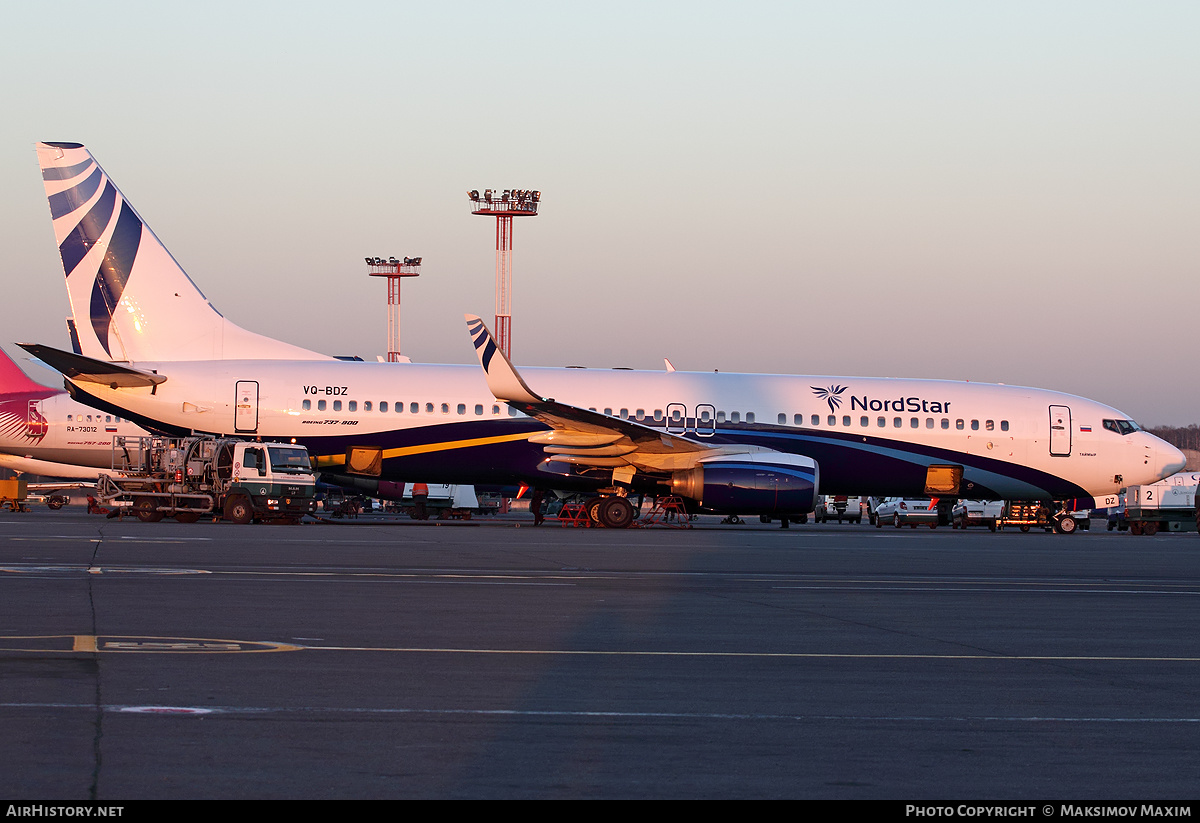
187	517
592	507
238	510
146	510
1066	524
616	513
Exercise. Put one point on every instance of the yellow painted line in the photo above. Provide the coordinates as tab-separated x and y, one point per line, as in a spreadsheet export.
139	644
448	445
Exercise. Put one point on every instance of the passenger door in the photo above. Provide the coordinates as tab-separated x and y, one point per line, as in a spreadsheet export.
1060	431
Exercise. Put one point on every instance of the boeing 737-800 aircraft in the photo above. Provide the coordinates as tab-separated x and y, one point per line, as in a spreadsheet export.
150	347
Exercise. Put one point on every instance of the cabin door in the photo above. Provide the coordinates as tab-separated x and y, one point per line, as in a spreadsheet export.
245	410
1060	431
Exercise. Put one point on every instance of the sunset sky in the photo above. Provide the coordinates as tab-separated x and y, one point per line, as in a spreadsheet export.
995	192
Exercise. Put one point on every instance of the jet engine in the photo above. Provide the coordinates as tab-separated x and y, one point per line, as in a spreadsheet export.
752	483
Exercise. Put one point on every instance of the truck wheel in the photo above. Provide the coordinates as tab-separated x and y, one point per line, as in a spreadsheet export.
1135	528
146	510
1150	527
238	510
1025	528
54	503
187	517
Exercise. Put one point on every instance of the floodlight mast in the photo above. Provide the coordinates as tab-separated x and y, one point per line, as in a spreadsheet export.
504	206
393	270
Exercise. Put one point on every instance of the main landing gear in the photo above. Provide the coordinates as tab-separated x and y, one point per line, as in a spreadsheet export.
611	512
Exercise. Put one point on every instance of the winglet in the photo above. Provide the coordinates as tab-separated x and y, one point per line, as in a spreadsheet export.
502	378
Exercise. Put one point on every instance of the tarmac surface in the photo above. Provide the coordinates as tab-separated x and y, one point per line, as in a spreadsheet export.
395	660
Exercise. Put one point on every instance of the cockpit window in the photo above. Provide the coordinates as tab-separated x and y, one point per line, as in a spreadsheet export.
1122	426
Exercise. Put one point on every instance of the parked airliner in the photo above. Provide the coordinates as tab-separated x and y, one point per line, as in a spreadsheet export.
150	347
43	431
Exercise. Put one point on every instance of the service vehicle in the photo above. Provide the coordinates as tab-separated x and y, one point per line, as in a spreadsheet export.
187	477
14	495
907	511
976	513
838	507
1168	505
1029	514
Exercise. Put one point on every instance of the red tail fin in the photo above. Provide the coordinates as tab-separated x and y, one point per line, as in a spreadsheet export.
12	379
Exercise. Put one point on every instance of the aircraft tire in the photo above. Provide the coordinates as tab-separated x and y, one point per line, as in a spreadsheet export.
616	513
1066	525
146	511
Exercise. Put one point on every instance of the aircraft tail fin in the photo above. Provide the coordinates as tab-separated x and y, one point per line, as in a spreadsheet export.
13	380
130	299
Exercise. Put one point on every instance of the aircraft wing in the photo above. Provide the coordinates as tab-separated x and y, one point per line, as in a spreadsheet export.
77	367
582	436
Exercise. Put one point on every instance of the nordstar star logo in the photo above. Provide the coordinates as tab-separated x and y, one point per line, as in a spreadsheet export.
831	395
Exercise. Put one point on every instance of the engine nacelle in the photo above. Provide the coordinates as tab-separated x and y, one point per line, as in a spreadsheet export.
753	483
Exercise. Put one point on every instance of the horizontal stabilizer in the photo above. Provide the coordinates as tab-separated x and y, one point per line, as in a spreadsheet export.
79	368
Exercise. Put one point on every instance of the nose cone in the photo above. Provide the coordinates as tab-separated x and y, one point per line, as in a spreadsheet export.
1169	459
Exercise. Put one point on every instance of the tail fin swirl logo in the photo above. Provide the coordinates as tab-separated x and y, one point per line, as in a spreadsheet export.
831	395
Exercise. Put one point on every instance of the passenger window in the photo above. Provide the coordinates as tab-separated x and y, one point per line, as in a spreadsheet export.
845	420
897	422
832	420
462	408
306	405
704	416
1003	425
816	420
735	417
366	405
383	406
915	423
320	405
945	422
989	425
429	408
720	417
797	419
881	422
337	405
782	418
657	414
958	424
352	405
624	415
864	421
929	422
479	410
974	425
749	417
640	414
445	408
495	409
608	412
413	408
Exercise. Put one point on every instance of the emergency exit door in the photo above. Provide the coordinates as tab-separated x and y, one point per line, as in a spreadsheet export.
245	410
1060	431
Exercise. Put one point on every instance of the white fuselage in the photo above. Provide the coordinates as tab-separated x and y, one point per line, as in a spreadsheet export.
869	435
50	427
